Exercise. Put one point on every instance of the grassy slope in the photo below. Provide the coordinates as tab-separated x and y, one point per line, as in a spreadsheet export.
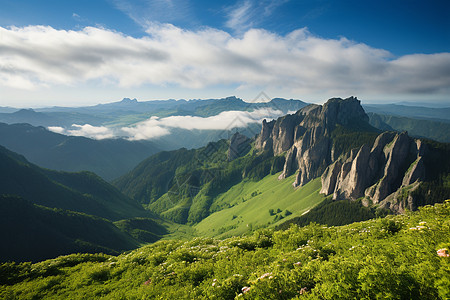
250	212
391	258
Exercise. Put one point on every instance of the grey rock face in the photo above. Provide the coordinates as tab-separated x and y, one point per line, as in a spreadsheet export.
395	154
306	136
239	146
329	178
283	133
290	165
395	161
312	156
262	141
378	171
351	184
344	112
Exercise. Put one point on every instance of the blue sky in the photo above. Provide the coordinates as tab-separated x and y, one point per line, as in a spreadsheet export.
86	52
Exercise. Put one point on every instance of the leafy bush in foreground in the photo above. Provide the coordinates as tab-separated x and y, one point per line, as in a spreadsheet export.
397	257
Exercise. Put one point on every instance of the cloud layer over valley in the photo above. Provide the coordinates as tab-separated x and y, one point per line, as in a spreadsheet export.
156	127
42	56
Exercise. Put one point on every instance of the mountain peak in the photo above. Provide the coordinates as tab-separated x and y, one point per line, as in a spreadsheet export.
25	112
128	101
233	99
343	111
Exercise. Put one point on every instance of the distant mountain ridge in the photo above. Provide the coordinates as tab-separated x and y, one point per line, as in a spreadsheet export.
130	109
418	112
421	128
109	158
192	105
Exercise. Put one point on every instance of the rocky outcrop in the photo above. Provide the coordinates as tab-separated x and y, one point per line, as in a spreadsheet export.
283	133
344	112
306	136
239	146
394	161
264	139
379	171
290	165
350	183
312	155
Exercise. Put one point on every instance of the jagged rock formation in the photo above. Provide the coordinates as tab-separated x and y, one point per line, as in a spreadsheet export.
306	136
239	146
393	162
383	170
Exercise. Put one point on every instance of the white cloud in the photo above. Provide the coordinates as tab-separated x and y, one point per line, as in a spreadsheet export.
156	127
144	12
299	62
227	120
250	13
57	129
86	130
240	16
145	130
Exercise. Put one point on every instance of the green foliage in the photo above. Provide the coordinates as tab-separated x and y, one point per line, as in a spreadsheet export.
183	185
333	213
254	211
144	230
391	258
31	233
82	192
439	131
346	138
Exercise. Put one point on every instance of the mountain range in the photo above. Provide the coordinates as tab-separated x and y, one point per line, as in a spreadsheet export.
129	111
323	163
26	131
335	142
106	157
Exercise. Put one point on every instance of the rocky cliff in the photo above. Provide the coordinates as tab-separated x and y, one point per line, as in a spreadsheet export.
239	146
394	162
306	136
380	170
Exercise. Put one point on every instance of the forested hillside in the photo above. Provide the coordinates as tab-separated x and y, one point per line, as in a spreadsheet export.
30	232
47	213
83	192
422	128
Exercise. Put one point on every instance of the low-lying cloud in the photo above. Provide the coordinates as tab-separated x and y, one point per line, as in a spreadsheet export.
156	127
86	130
300	62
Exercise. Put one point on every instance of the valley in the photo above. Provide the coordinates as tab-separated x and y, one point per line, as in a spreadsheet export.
224	150
178	215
